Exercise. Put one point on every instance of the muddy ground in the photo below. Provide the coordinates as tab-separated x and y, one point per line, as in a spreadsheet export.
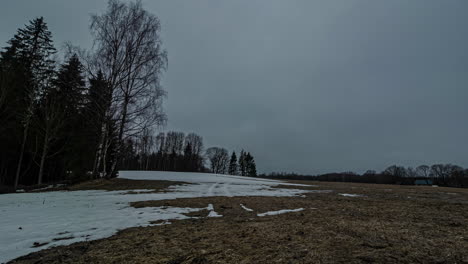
386	224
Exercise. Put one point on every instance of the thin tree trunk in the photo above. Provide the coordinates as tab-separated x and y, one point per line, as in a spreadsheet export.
43	158
119	143
97	160
20	161
104	159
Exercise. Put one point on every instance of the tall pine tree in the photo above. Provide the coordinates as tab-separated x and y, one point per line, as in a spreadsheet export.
242	164
29	54
233	164
71	92
251	168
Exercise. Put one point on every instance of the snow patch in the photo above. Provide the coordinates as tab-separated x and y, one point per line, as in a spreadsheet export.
214	214
194	177
281	212
245	208
35	221
212	211
350	195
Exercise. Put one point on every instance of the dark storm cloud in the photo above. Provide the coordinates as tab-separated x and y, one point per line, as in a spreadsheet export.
307	86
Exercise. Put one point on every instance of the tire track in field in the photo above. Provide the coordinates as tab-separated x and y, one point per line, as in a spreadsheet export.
211	189
226	190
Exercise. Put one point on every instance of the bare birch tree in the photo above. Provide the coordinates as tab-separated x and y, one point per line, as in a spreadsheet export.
127	50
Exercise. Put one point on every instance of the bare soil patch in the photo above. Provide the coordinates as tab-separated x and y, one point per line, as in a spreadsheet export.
383	226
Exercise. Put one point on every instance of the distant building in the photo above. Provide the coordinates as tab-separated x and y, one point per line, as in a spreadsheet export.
423	182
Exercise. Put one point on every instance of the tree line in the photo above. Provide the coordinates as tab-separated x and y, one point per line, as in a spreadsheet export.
438	174
175	151
171	151
73	119
223	164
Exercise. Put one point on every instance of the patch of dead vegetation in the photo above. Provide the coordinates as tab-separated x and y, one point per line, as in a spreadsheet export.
383	227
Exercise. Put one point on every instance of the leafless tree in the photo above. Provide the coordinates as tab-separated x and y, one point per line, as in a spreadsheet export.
444	171
160	142
423	171
219	159
196	142
127	50
394	170
411	172
174	142
441	171
146	145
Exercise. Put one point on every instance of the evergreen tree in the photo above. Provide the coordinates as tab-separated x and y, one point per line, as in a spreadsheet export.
247	162
72	95
29	55
242	164
188	157
70	86
233	164
251	167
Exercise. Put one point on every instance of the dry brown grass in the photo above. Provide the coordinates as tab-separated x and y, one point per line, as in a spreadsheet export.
389	224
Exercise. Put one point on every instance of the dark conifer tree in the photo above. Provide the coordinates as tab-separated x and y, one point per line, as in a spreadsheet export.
233	164
242	164
188	157
72	95
29	56
251	168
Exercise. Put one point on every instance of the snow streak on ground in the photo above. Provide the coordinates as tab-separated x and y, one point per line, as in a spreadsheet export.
245	208
350	195
281	212
34	221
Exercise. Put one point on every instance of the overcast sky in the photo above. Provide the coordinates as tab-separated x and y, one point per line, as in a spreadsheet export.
306	86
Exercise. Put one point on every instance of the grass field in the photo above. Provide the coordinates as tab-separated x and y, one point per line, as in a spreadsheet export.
377	224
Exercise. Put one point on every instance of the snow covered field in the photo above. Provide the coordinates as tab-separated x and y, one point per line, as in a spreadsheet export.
34	221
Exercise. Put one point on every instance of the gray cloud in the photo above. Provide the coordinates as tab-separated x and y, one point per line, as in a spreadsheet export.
307	86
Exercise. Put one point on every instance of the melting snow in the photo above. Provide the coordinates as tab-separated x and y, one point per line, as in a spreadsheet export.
29	219
350	195
280	212
212	211
214	214
245	208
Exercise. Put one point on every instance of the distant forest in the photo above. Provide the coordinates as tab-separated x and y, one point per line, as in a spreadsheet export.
175	151
438	174
88	113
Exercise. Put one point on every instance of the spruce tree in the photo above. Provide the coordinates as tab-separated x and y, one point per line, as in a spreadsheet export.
233	164
251	167
242	165
188	157
29	53
247	161
72	95
70	86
